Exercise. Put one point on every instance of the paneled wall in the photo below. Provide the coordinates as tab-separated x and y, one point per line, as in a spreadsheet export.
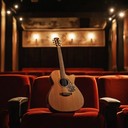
73	57
95	57
86	37
85	56
2	34
126	42
113	45
42	53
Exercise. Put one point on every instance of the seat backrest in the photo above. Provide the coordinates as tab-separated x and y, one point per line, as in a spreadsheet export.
40	90
115	86
31	79
13	85
88	87
86	84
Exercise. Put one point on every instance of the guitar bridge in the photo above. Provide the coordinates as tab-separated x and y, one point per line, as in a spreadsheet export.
65	93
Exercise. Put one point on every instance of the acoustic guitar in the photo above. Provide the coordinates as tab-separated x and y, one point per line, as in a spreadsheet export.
64	96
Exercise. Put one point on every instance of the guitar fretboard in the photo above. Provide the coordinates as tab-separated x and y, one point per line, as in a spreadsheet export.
61	62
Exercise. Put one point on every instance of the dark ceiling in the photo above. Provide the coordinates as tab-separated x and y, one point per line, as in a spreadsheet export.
92	12
67	5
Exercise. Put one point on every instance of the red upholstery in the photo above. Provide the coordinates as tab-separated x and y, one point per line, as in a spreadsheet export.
40	90
39	115
77	71
4	118
43	118
31	79
115	86
122	118
35	73
11	85
47	71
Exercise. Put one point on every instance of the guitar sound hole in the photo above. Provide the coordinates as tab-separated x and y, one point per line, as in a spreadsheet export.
64	82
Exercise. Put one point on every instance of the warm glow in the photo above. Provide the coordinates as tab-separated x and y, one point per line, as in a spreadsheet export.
110	19
20	19
91	36
71	36
36	37
111	10
16	6
121	14
8	12
54	35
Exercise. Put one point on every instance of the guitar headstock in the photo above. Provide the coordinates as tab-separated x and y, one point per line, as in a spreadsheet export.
56	41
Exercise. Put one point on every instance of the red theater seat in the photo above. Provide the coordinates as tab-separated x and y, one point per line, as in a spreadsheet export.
122	118
114	86
39	116
11	86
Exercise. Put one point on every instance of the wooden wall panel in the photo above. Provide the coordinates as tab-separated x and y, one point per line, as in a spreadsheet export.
2	34
95	57
113	46
126	42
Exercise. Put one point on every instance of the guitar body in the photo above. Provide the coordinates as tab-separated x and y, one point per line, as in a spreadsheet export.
64	96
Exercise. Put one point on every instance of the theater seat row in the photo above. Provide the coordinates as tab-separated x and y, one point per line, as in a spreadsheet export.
78	71
115	86
12	85
30	109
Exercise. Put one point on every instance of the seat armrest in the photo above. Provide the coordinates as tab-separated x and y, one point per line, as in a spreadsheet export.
17	107
109	108
108	101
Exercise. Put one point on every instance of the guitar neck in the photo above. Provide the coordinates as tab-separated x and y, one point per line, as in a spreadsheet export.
61	63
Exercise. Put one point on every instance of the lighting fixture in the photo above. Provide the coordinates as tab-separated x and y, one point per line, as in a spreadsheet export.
8	12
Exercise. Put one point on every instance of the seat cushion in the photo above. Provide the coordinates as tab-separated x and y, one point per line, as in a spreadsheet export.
123	106
4	118
40	118
122	118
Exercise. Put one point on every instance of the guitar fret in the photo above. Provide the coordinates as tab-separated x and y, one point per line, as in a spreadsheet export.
61	63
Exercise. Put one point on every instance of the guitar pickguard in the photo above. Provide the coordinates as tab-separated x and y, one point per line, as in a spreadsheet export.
68	84
70	87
